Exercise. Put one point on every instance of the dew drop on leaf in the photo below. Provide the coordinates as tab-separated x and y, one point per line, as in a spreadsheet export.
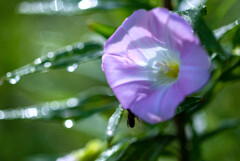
72	68
14	80
47	64
68	123
38	61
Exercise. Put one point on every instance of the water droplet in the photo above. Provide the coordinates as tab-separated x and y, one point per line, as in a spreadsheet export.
32	69
1	81
9	74
45	109
72	68
109	132
68	123
38	61
14	80
50	55
54	105
47	64
85	4
237	22
56	5
2	115
69	48
31	112
72	102
80	45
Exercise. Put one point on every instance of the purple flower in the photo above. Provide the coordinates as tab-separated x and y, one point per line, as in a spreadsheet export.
153	61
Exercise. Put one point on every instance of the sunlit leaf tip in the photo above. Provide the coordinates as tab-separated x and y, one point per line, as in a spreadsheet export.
220	32
68	57
113	123
78	107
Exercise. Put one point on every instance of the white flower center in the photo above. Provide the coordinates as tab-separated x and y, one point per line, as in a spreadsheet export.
164	67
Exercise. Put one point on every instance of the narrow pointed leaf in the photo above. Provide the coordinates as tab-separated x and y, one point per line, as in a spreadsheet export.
224	126
146	149
220	32
141	150
75	7
236	41
102	29
189	103
113	124
116	150
206	36
186	4
82	106
71	55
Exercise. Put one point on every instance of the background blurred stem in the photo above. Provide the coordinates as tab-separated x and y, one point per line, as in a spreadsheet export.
195	148
180	130
168	4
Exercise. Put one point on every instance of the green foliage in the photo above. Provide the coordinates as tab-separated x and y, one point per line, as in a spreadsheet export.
73	7
220	32
102	29
69	58
188	104
113	123
206	36
76	108
149	142
133	149
225	125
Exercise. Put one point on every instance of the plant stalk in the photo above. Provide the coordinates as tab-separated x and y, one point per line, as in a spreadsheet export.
168	4
181	135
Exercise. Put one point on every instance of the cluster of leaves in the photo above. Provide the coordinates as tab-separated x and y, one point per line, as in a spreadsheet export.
80	107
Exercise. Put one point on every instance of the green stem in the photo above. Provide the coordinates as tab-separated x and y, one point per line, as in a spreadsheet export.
168	4
195	151
180	129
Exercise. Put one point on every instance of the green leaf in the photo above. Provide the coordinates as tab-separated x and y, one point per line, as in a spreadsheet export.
69	57
45	157
118	149
186	4
86	104
230	74
146	149
236	40
104	30
113	124
141	150
221	9
188	104
220	32
73	7
206	36
225	125
192	15
89	153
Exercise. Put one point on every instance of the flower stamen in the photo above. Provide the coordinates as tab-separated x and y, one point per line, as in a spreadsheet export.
169	69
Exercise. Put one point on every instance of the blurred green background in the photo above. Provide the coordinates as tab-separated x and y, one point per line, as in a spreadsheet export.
23	38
